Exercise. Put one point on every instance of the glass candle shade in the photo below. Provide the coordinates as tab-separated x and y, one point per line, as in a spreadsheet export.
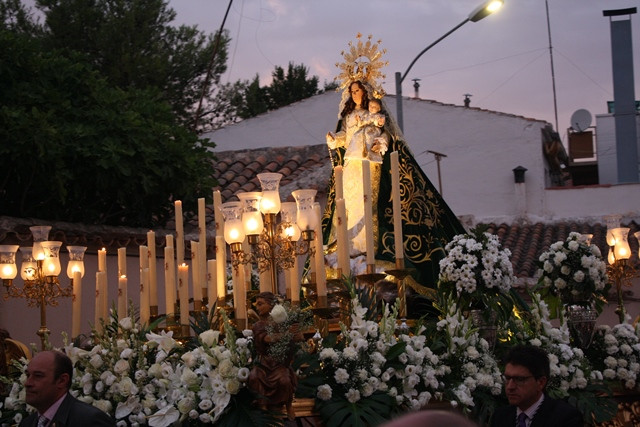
621	250
76	260
306	218
51	262
251	216
270	183
290	229
40	234
8	267
233	229
29	267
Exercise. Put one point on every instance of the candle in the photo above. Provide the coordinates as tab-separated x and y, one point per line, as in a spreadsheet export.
397	213
104	296
368	211
337	175
168	241
217	202
239	293
77	304
101	287
169	280
122	296
153	269
144	257
321	274
183	293
295	281
102	259
287	283
265	281
343	243
221	268
195	267
122	262
179	233
202	265
144	296
202	221
212	277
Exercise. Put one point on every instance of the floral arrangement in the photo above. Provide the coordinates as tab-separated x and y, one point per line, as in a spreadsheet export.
573	271
616	352
478	272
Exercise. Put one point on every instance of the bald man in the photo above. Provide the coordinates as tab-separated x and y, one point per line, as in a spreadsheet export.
47	390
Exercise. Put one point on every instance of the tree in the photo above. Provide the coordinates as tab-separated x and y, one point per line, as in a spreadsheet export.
76	148
285	90
133	45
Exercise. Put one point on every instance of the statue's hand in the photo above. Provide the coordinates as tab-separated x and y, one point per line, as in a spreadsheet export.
331	140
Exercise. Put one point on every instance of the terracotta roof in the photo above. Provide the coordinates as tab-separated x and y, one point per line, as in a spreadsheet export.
527	242
301	167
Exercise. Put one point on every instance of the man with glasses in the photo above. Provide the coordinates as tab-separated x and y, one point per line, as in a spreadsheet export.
525	377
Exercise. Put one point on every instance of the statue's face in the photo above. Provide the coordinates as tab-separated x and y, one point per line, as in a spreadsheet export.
356	93
263	307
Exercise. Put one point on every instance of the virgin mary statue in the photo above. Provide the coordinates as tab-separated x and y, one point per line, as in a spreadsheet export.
427	222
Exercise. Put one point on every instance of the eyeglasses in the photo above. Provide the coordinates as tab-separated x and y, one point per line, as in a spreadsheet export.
516	379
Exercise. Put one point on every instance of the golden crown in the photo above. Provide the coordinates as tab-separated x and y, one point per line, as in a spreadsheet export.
362	62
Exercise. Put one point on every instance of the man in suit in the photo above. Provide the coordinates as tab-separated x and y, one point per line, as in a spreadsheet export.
525	377
47	390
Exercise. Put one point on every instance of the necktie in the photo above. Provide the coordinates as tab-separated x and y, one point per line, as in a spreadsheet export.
43	421
522	420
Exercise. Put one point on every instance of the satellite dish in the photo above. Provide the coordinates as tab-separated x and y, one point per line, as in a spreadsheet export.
580	120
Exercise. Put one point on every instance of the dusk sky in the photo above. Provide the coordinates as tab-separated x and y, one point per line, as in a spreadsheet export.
503	61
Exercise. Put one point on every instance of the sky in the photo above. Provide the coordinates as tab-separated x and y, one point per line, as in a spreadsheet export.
503	61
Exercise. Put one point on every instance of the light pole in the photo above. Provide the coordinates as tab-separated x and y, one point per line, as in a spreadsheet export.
482	11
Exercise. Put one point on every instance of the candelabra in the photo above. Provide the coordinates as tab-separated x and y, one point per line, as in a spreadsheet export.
39	271
620	269
272	246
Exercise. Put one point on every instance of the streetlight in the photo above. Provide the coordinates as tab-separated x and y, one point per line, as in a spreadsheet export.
482	11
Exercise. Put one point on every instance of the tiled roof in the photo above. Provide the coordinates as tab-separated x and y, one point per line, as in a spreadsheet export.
527	242
301	167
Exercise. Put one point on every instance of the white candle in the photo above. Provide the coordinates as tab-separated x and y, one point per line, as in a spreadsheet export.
295	281
202	220
343	242
219	220
221	268
122	262
122	296
183	292
368	211
101	287
179	233
321	274
397	213
239	293
169	280
212	277
202	265
265	281
195	267
76	320
104	296
169	241
102	259
337	178
153	269
144	296
143	256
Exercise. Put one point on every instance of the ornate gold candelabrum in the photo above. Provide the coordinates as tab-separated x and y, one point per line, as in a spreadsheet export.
39	271
271	246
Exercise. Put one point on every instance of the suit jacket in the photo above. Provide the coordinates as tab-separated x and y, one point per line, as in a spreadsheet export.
551	413
74	413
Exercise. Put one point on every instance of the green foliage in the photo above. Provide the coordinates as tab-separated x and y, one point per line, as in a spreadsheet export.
78	150
374	410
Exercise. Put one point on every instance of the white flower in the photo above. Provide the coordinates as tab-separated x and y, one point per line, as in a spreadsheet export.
121	367
324	392
243	374
209	338
164	417
278	313
341	376
126	323
352	395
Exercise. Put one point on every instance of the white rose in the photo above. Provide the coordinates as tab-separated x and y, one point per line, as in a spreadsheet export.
324	392
126	323
278	313
185	405
121	367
